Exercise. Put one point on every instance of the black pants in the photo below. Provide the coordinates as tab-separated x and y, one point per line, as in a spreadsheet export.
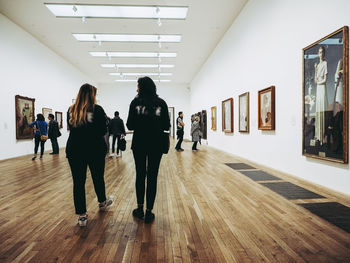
54	143
194	146
36	145
147	164
78	167
180	137
113	143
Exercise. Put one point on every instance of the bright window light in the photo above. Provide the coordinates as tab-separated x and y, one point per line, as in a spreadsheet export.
126	38
137	65
115	11
135	80
141	74
133	54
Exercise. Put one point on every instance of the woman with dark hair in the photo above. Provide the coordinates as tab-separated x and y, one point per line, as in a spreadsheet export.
86	147
40	128
148	118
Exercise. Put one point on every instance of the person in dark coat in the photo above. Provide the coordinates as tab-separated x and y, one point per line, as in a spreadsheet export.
180	131
54	133
196	133
40	128
86	147
117	129
148	118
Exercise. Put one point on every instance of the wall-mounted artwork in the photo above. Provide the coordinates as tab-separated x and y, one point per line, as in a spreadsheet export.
204	124
244	112
59	119
24	116
227	115
46	112
266	108
325	97
213	118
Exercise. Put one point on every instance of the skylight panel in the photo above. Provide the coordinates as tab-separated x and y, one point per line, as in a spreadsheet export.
137	65
133	54
126	38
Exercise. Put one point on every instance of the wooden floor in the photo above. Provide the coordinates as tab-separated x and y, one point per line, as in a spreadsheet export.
205	212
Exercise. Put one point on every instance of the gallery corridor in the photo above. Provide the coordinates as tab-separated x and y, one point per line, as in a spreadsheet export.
205	212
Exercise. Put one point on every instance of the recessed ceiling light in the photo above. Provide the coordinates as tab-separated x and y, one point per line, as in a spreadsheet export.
140	74
133	54
134	80
117	11
127	38
137	65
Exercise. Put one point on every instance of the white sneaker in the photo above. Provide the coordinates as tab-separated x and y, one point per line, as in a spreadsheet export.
82	220
118	155
103	206
111	155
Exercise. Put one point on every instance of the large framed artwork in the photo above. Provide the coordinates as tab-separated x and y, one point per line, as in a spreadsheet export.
325	97
266	108
213	118
24	116
244	112
227	115
204	124
59	119
46	112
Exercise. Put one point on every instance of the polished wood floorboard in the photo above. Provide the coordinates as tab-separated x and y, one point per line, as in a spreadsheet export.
205	212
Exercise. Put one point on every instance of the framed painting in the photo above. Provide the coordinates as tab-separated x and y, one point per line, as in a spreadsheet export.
213	118
59	119
227	115
266	108
25	115
244	112
325	97
46	112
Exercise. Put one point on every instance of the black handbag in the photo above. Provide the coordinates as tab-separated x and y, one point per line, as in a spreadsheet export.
165	142
122	144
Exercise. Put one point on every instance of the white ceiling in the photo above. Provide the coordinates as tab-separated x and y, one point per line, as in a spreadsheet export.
206	23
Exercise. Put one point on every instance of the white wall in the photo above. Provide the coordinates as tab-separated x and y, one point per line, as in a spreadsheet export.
263	47
28	68
117	97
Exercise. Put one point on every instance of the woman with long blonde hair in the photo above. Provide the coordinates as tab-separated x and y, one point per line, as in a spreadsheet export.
86	147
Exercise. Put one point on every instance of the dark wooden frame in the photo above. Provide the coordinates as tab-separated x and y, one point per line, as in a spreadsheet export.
213	119
345	131
60	124
223	115
30	135
270	89
246	94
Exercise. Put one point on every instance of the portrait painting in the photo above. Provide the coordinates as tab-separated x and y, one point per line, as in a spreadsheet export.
46	112
227	115
325	97
24	116
266	108
59	119
213	118
244	112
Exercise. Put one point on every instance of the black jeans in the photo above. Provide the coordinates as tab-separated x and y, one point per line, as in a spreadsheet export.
36	144
180	137
54	143
194	146
78	167
113	143
147	164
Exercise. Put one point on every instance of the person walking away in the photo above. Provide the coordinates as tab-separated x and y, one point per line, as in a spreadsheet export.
180	131
54	133
148	118
195	133
40	128
86	147
117	129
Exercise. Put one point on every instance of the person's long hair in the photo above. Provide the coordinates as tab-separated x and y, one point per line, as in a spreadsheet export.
147	88
85	100
40	117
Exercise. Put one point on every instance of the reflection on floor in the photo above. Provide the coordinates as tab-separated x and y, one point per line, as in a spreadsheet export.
205	212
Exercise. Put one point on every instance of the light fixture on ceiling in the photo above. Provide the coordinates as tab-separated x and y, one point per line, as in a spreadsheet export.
127	38
134	80
118	11
133	54
159	22
100	43
163	74
137	65
83	19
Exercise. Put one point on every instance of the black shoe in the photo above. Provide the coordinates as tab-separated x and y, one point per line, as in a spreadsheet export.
181	149
41	156
51	153
149	217
138	212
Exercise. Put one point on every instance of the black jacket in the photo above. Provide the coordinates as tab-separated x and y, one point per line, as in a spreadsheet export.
148	118
116	126
54	131
87	141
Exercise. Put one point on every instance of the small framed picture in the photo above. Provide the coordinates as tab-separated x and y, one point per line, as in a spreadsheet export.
244	112
227	115
266	108
213	118
59	118
46	112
